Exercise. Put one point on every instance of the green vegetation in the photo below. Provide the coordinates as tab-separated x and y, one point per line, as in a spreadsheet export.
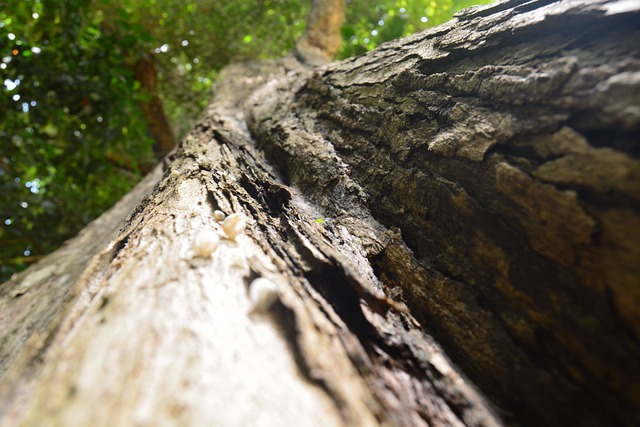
370	24
73	138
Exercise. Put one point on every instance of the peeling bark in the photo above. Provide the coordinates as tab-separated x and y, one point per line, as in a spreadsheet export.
478	182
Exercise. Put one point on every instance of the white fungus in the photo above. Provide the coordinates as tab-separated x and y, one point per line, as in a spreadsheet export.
205	243
218	215
234	225
174	173
262	293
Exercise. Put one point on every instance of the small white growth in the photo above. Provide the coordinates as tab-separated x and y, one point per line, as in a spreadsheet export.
218	215
262	294
174	173
441	363
234	225
205	243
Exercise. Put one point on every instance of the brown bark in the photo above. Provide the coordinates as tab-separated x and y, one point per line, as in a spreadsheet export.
158	123
321	40
503	145
153	332
485	173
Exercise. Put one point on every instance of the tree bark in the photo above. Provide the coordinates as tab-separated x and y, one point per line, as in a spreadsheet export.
478	182
505	150
321	40
157	122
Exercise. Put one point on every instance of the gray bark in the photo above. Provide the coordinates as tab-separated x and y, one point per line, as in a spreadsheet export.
478	182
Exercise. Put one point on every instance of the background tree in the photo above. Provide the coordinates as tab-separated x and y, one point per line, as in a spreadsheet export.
87	83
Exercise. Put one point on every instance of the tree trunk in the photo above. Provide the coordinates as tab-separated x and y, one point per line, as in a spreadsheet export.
478	182
153	110
321	41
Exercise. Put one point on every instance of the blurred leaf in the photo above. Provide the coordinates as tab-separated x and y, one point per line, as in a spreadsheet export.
347	32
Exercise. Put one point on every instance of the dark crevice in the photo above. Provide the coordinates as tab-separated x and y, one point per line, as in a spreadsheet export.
119	246
212	199
345	301
616	138
516	152
332	282
280	158
501	7
603	200
530	5
335	289
274	196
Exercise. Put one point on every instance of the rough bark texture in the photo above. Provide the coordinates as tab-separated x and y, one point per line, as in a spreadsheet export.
160	335
484	173
504	147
